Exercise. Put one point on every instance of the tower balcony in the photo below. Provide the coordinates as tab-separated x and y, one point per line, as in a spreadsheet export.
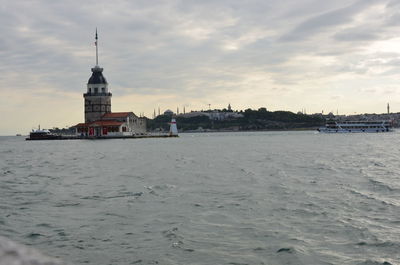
97	94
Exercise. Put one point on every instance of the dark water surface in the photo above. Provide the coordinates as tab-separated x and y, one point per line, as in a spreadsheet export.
222	198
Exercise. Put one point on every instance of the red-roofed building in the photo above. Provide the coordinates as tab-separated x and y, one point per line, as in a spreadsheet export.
113	124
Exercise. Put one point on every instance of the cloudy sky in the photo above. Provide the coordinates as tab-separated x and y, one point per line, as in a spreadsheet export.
341	55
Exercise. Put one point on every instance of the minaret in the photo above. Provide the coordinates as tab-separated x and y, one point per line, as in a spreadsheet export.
97	98
388	108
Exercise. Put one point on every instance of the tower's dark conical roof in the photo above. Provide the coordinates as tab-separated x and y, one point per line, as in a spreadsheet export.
97	76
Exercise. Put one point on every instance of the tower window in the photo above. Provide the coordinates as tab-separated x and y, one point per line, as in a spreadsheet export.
90	90
96	90
103	90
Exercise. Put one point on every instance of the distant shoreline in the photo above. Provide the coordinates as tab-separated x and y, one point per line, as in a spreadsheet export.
262	130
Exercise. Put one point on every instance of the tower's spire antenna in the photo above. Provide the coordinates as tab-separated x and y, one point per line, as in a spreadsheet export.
97	52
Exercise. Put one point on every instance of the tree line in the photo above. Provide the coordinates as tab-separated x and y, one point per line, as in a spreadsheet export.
260	119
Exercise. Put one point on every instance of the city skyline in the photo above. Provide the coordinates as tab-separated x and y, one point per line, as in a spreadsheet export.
291	55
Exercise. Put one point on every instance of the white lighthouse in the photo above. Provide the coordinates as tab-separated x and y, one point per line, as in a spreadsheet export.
173	130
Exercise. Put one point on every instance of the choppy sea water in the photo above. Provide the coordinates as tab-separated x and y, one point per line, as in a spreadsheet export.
221	198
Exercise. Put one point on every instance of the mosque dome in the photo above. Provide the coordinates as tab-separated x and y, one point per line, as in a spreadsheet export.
97	76
168	112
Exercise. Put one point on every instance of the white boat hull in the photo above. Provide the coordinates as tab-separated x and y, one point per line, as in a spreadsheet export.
325	130
333	126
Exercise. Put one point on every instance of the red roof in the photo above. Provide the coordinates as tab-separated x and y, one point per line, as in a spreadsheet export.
106	123
116	114
100	123
81	125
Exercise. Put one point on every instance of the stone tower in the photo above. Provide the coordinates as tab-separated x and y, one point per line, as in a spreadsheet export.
97	98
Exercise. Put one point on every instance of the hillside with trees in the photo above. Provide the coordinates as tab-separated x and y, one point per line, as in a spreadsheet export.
260	119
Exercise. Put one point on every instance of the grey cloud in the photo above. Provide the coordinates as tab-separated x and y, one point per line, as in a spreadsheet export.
392	14
393	4
358	34
393	20
324	21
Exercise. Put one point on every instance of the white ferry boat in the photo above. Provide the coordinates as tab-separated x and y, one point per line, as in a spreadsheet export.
333	126
42	135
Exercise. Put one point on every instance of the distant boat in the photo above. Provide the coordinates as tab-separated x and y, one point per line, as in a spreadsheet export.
18	134
333	126
42	135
